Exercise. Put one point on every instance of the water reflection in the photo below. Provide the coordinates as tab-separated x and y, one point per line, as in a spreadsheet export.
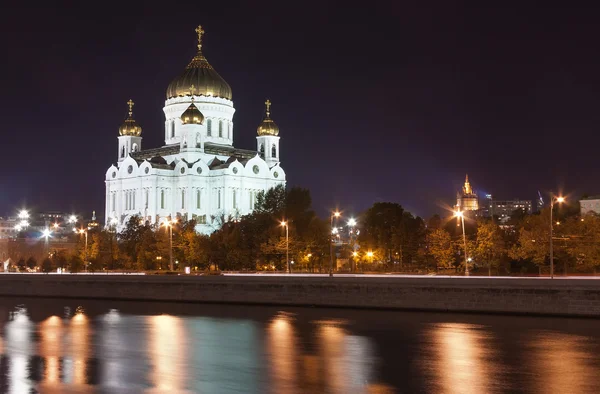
461	358
562	364
167	353
116	351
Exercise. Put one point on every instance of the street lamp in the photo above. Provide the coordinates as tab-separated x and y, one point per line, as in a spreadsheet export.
335	214
23	214
351	224
169	224
461	215
287	246
46	234
552	201
82	231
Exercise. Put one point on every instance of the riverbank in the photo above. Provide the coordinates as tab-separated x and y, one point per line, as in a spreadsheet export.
558	297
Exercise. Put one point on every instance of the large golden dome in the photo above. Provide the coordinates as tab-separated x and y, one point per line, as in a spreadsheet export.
130	127
200	74
267	126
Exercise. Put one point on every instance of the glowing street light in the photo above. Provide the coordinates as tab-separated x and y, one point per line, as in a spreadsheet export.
552	201
72	219
46	233
460	214
169	224
335	214
287	246
56	226
84	231
352	222
23	214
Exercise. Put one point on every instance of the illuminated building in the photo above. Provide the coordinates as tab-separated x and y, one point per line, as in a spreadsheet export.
590	205
504	209
198	173
467	200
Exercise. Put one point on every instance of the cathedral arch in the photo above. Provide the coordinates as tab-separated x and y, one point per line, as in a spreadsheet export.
172	129
262	150
134	147
123	151
220	129
273	151
209	127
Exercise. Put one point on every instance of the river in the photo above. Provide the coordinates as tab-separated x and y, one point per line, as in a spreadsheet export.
69	346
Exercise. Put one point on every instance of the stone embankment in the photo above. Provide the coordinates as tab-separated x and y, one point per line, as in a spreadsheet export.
558	297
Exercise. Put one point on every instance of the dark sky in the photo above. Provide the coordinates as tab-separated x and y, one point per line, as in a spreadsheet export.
385	102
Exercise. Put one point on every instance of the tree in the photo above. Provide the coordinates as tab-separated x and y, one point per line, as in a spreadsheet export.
532	242
272	201
31	263
21	265
47	265
75	264
441	248
489	245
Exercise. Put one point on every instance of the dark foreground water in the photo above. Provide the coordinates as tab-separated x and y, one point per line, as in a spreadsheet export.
65	346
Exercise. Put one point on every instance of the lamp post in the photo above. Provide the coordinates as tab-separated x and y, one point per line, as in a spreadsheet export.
82	231
287	246
351	224
552	200
169	224
335	214
46	234
461	215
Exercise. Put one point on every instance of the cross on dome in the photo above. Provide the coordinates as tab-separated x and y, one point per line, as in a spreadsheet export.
200	32
130	103
268	105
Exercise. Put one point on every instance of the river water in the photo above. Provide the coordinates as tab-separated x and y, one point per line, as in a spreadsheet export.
68	346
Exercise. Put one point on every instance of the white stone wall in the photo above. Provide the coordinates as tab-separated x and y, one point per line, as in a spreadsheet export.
590	206
137	190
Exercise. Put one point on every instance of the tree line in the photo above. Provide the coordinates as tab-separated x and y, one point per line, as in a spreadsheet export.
385	237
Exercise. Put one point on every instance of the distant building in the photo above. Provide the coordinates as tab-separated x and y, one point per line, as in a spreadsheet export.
503	209
590	205
467	200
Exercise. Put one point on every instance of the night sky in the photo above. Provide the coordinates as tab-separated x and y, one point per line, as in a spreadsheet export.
385	102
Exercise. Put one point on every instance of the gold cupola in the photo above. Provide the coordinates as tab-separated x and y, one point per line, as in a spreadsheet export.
192	114
200	74
130	127
267	126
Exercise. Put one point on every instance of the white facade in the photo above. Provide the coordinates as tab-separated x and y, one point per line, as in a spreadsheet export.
197	174
590	205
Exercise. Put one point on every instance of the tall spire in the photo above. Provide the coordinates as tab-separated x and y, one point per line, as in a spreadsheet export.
200	32
467	187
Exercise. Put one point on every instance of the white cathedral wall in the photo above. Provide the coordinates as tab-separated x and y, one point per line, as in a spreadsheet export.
245	183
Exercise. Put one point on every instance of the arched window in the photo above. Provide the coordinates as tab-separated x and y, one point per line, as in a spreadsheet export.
273	151
173	129
209	127
234	199
198	200
162	199
183	199
221	129
262	150
134	148
219	199
123	152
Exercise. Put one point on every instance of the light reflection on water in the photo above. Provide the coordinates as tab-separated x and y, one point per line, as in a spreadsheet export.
296	351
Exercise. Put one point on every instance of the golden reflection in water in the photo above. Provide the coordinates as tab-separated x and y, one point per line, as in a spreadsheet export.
50	348
167	353
561	363
331	343
281	346
462	360
79	347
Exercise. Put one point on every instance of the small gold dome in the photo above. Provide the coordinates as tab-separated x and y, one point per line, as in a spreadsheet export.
268	126
130	127
192	115
200	74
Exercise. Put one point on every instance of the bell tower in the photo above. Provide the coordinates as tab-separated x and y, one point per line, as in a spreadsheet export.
130	135
268	138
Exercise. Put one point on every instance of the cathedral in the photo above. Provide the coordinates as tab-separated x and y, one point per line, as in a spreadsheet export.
198	174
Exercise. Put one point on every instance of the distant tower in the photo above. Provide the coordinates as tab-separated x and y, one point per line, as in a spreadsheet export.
467	201
268	138
130	132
